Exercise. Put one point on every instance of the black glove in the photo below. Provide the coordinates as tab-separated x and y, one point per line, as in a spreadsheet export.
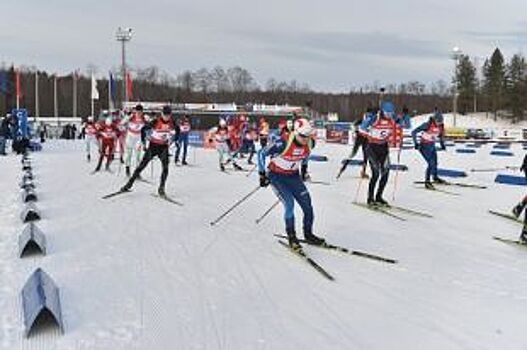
443	147
264	180
303	173
416	146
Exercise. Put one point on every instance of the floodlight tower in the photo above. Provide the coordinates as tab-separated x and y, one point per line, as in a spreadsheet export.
124	35
456	55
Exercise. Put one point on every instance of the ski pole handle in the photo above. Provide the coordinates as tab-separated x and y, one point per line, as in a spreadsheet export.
237	204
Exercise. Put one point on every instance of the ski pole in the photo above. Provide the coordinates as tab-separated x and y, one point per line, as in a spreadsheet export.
237	204
251	171
264	215
396	173
342	168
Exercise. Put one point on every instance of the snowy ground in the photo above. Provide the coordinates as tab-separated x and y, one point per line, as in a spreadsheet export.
139	273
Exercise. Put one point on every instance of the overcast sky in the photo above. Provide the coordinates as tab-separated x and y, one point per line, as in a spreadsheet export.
330	44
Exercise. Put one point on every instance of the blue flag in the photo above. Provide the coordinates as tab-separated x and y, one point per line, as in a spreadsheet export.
4	82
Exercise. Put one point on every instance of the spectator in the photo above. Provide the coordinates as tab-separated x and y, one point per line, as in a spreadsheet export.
4	134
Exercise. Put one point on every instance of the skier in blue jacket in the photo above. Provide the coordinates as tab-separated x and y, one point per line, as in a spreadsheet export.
431	132
286	173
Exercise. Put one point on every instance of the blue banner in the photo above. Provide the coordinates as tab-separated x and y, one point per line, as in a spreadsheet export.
23	127
196	138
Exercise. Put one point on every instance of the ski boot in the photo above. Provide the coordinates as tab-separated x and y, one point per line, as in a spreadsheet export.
523	237
184	162
236	166
107	168
222	167
517	210
88	157
439	180
127	170
176	161
161	192
363	174
121	159
371	202
429	185
294	244
381	201
314	240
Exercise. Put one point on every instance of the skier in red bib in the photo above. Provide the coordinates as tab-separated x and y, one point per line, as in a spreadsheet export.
286	173
107	134
90	130
431	131
160	133
380	130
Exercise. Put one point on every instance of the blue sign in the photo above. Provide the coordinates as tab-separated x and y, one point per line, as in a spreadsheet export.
22	118
196	138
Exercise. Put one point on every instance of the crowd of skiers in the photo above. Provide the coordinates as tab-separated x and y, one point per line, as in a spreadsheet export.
138	139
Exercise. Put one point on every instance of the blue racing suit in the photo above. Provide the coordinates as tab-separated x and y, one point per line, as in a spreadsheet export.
431	132
287	158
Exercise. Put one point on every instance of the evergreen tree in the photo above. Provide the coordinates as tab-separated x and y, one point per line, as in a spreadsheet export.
516	86
494	81
465	82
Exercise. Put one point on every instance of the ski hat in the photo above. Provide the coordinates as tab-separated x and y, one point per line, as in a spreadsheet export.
303	127
223	122
90	118
167	110
108	121
139	108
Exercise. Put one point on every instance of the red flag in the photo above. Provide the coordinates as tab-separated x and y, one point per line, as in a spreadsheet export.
17	84
129	86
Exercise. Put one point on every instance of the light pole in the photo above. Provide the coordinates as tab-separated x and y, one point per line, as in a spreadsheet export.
456	54
124	35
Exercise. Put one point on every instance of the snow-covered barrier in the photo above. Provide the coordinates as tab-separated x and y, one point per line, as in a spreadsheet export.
502	146
465	151
399	167
502	154
41	302
31	240
451	173
25	184
35	146
30	213
511	180
318	158
27	176
29	195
